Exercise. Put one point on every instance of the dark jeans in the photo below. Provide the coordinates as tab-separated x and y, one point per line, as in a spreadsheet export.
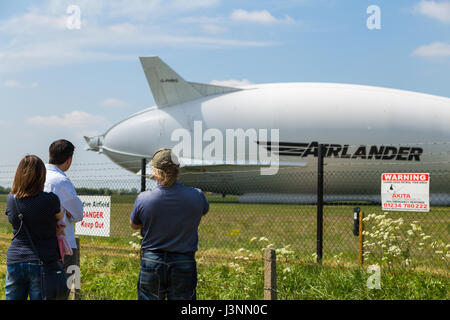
165	274
23	280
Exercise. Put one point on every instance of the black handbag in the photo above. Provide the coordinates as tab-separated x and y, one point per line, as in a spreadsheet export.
53	277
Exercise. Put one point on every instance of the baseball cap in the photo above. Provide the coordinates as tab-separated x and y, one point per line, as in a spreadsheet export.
164	159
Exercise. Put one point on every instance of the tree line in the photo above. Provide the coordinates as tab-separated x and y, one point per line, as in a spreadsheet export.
91	191
4	190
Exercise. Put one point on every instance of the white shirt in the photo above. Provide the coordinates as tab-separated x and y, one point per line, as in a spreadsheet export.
57	182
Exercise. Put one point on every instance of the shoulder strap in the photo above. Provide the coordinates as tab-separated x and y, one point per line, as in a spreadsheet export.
22	223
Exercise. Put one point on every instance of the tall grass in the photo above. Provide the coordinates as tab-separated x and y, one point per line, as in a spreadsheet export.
113	276
110	267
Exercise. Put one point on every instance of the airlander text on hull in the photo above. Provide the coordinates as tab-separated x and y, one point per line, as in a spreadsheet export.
342	151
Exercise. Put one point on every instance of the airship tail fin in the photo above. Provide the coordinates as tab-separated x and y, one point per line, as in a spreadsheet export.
211	89
168	88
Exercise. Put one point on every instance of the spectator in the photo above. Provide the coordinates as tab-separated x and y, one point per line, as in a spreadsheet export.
40	211
168	217
60	160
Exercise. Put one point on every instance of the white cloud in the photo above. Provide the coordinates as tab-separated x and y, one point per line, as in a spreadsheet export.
114	103
213	29
202	19
132	9
435	10
91	7
143	9
39	39
100	44
6	123
11	84
232	83
192	4
29	22
74	120
18	84
263	16
433	50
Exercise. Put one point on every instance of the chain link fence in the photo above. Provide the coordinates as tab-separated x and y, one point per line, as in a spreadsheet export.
279	211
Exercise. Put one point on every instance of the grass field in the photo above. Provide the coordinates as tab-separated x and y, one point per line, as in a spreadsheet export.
109	272
230	225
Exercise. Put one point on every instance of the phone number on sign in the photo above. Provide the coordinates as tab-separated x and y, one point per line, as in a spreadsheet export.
405	205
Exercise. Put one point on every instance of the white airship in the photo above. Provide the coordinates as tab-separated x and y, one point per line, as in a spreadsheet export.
365	130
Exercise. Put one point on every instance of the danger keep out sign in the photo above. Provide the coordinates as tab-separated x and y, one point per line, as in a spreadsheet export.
96	216
405	191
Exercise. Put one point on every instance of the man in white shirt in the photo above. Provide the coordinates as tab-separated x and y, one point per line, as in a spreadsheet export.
60	160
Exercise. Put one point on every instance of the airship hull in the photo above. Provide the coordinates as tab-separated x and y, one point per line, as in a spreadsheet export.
366	131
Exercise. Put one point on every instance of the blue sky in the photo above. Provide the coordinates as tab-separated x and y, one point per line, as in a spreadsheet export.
57	82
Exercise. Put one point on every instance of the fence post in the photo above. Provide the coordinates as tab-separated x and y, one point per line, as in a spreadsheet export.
143	173
320	156
361	239
75	293
270	274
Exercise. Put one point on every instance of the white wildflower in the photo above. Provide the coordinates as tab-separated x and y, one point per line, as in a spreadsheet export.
287	269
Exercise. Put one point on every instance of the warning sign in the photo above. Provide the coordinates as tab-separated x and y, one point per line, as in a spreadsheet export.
405	192
96	216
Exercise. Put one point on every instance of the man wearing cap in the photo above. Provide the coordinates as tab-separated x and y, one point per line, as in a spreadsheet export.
168	217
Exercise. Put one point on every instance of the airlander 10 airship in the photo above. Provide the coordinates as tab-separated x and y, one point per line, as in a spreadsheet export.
365	130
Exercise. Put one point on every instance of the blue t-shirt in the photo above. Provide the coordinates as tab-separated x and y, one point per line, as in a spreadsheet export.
170	217
39	217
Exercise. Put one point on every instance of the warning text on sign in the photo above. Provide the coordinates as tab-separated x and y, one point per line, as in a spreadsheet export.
405	191
96	216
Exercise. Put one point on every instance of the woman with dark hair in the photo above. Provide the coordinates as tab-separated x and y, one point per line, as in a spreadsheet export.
39	212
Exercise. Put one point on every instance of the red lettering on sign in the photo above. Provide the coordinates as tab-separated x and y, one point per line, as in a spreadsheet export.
405	176
403	196
95	214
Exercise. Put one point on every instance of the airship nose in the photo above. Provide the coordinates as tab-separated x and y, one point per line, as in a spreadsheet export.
94	143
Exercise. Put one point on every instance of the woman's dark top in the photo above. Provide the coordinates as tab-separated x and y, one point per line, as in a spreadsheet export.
39	217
